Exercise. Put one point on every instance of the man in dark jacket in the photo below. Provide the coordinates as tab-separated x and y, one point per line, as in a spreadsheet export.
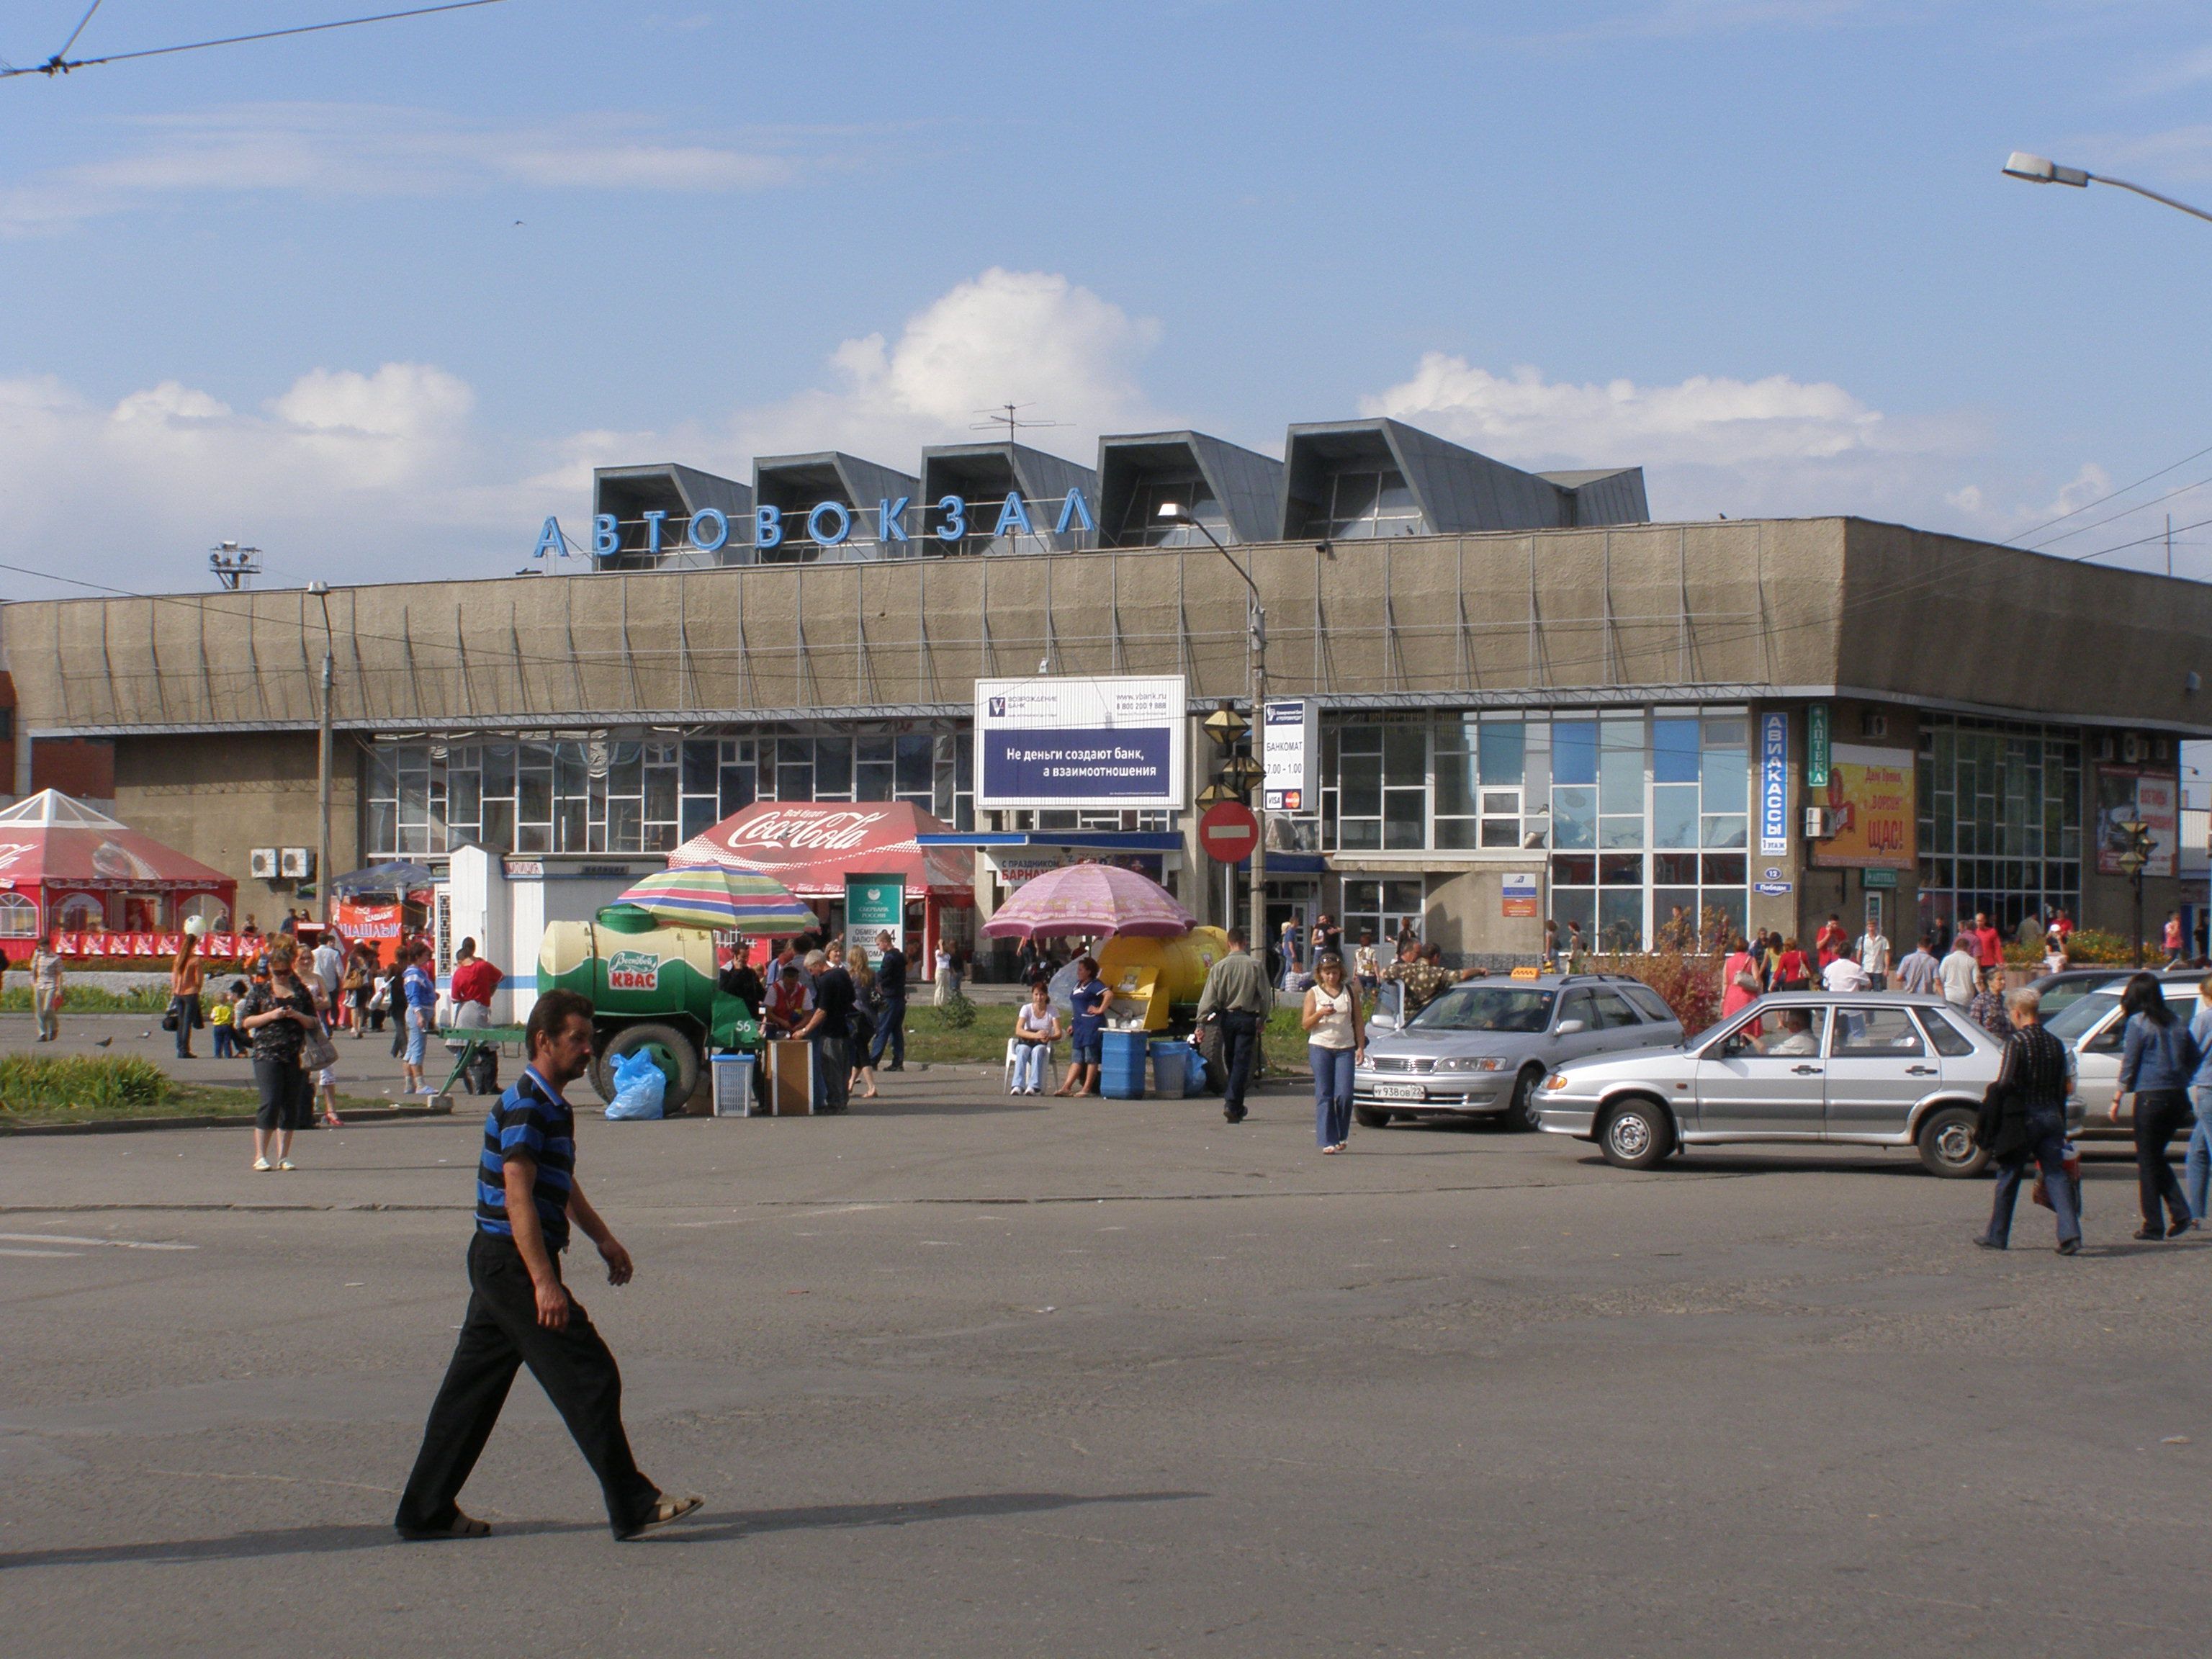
2023	1119
890	1023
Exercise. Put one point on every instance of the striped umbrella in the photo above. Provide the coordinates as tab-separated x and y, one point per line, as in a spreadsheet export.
733	901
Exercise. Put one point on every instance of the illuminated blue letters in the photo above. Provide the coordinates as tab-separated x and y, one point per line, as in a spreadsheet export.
709	520
1074	511
550	540
768	527
956	519
1013	515
890	520
606	537
653	523
828	510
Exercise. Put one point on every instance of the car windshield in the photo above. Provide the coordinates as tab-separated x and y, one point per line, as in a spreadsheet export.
2076	1020
1487	1008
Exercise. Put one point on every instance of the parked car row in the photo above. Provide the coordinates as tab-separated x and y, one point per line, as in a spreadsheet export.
1600	1057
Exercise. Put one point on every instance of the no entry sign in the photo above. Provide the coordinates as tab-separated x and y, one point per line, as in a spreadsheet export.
1228	831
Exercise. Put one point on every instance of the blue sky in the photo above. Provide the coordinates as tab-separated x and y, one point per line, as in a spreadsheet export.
378	300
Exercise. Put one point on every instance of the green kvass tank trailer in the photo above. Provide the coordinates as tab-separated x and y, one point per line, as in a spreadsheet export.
652	987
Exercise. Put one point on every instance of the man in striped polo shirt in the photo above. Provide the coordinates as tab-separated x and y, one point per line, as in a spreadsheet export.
519	1311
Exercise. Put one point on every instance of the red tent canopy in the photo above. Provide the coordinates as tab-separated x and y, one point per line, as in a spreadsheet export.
811	846
64	865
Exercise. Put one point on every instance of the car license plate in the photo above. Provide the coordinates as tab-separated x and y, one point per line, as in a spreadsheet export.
1401	1091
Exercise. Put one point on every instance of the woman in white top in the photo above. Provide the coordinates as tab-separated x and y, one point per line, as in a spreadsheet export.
1336	1042
1036	1027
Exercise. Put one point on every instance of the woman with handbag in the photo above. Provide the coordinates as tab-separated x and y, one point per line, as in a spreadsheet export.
2023	1121
278	1014
185	978
1739	980
2157	1067
868	1004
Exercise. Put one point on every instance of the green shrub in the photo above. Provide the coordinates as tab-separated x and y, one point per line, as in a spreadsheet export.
955	1014
2086	948
91	999
105	1081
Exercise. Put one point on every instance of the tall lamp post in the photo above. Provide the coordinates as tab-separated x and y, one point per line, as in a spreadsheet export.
2133	857
1256	677
2039	170
322	591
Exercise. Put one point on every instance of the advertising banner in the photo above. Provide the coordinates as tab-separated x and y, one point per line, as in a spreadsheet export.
371	922
1079	741
1774	783
1517	894
1015	868
874	904
2127	794
1872	802
1290	755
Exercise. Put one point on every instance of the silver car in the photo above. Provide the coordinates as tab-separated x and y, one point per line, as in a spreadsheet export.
1479	1050
2095	1030
1802	1067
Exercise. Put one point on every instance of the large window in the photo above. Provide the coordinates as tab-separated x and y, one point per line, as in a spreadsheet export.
640	794
1362	506
1142	525
1646	816
19	917
1999	821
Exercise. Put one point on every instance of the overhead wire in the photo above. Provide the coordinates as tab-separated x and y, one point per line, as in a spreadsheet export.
59	64
2109	496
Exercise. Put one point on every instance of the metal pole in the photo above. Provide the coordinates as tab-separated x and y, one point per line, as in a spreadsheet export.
1258	631
322	796
2139	919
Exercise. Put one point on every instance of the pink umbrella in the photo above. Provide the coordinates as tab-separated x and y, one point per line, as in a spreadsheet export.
1090	898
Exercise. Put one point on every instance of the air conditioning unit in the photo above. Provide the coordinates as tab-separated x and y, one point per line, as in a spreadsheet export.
1820	824
2132	748
1872	725
295	864
261	863
2104	745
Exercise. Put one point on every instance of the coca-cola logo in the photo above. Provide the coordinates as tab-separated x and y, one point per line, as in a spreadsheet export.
806	827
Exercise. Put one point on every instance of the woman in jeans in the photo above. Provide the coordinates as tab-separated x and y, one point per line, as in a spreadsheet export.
1036	1027
1336	1040
2157	1067
185	982
277	1014
2196	1171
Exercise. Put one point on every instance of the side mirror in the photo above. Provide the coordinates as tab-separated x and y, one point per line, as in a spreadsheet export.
1379	1021
1569	1027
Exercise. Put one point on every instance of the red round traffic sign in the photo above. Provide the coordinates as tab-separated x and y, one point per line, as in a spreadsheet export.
1228	831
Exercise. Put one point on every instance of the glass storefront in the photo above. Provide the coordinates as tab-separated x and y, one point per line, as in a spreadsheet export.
1645	815
639	794
1999	821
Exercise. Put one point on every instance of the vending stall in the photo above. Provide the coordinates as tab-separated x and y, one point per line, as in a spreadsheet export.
102	888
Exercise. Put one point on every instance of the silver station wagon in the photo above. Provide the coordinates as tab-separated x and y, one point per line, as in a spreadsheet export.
1802	1067
1479	1050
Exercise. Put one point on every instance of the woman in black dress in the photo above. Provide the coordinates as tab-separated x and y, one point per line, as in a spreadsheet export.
276	1017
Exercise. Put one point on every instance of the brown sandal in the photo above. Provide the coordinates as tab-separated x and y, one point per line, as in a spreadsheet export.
668	1509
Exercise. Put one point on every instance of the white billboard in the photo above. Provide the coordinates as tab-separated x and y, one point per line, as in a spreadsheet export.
1076	741
1290	756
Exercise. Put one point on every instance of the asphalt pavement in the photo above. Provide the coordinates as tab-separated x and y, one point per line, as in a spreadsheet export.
962	1374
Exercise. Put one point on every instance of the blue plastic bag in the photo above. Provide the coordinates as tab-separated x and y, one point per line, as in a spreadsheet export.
1194	1072
639	1084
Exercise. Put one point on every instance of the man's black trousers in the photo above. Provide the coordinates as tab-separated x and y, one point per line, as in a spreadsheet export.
1240	1036
573	1365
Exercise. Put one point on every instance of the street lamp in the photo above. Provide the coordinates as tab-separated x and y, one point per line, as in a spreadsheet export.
2133	857
322	591
2038	170
1255	676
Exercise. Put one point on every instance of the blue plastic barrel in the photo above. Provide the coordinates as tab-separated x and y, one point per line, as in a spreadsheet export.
1170	1073
1122	1065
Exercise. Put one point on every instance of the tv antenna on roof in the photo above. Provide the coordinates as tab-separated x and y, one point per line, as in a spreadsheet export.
1007	415
234	566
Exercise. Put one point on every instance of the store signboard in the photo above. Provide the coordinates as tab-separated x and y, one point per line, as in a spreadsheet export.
1774	783
1816	745
1871	798
1517	894
873	905
1080	741
2131	794
1290	755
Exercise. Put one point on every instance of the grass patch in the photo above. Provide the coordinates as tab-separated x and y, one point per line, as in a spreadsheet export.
114	1083
182	1100
91	999
982	1040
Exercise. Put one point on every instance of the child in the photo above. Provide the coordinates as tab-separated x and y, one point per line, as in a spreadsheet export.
219	1019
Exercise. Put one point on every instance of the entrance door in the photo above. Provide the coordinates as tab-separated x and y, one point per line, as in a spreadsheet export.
1771	1083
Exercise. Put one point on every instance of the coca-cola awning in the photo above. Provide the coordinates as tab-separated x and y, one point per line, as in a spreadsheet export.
811	846
50	841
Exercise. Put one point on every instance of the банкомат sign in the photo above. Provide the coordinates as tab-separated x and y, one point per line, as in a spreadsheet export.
1081	742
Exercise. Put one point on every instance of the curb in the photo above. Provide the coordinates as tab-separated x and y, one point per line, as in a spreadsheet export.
361	1119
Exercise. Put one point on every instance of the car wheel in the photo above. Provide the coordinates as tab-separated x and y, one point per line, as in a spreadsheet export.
1523	1114
1370	1117
672	1051
1637	1135
1946	1143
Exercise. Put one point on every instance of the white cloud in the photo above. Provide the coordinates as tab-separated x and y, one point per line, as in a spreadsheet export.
351	150
1026	338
